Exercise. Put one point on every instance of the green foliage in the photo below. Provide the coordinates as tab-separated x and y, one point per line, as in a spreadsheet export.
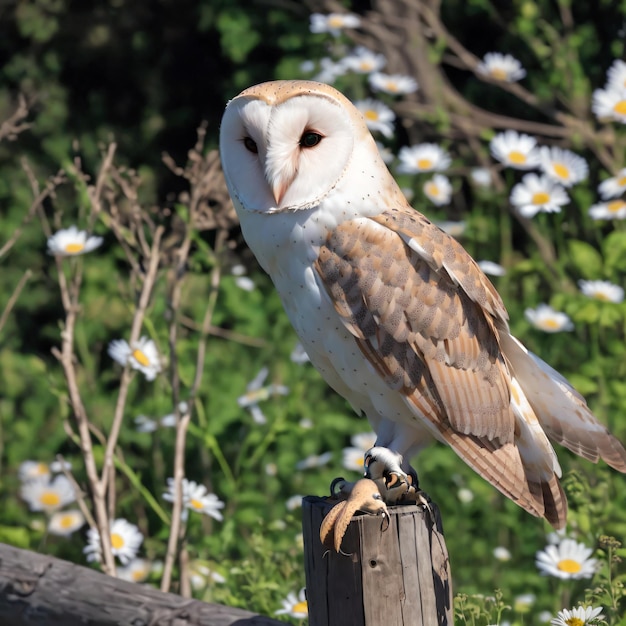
146	77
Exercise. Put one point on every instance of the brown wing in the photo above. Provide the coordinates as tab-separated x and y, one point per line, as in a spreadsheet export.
423	314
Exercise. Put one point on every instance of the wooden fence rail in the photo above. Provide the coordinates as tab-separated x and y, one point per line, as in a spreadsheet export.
40	590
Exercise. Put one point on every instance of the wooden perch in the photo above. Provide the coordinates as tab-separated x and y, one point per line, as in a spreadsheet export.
40	590
393	576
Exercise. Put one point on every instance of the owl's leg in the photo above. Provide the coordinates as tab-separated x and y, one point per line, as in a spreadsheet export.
396	479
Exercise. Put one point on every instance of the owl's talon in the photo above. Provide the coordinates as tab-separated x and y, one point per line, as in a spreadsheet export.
383	466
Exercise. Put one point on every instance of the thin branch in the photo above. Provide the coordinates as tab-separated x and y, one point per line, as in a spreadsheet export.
14	296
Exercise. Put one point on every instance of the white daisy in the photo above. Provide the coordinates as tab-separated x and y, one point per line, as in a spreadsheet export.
503	67
438	190
524	602
200	574
502	554
142	356
315	460
364	61
64	523
614	210
568	559
378	116
125	537
352	459
563	166
363	441
602	290
33	470
616	75
294	502
298	355
256	392
136	571
545	318
72	242
423	157
56	467
333	23
481	176
245	283
295	606
465	495
516	150
48	496
610	104
491	268
195	498
578	616
329	71
538	193
394	84
614	186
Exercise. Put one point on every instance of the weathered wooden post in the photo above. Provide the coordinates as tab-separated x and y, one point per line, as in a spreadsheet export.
395	575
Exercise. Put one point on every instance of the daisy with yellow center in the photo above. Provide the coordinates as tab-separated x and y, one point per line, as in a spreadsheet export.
72	242
501	67
378	116
333	23
142	355
614	186
136	571
393	84
257	392
64	523
580	616
196	498
545	318
438	190
614	210
126	539
515	150
423	157
33	470
616	75
538	194
364	61
610	104
352	459
568	559
295	606
48	496
602	290
563	166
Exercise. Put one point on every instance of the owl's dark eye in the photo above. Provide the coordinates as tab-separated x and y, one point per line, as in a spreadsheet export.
250	145
310	139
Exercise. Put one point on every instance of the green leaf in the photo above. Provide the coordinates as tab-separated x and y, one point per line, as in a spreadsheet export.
585	258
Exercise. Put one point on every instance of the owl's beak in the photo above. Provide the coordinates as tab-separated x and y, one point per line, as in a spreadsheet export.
279	189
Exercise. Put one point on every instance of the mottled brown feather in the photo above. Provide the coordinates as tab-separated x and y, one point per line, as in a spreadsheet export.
424	315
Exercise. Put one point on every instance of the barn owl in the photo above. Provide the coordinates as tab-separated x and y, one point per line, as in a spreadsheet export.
393	312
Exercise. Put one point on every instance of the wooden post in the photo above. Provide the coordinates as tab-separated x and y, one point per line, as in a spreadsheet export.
395	575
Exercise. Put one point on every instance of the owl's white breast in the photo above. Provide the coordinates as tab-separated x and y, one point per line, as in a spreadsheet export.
287	245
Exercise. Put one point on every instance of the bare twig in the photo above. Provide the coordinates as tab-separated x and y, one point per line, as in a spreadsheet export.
14	296
15	124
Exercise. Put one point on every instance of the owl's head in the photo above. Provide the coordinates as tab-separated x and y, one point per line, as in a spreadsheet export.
285	144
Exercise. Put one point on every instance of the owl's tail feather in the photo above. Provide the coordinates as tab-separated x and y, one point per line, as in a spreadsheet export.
503	467
561	410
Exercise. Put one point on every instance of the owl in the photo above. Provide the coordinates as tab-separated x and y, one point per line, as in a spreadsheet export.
393	312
